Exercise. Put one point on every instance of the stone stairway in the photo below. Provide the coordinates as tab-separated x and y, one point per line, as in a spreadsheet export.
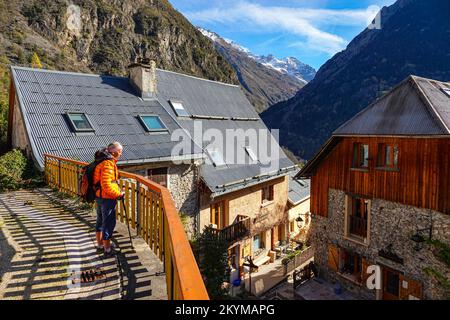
47	251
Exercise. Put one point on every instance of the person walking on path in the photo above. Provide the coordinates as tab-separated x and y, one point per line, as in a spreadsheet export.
106	176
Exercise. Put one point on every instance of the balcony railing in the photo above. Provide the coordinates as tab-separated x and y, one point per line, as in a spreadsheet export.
152	213
358	226
235	231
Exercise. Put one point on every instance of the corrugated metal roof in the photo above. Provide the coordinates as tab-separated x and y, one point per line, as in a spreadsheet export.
209	98
110	104
299	189
404	111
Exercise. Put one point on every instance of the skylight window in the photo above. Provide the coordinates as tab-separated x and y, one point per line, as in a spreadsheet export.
152	123
251	154
179	109
446	91
79	122
216	157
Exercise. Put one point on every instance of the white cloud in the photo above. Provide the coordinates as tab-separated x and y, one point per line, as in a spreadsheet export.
307	23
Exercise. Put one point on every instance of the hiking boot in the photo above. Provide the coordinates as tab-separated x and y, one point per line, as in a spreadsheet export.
112	251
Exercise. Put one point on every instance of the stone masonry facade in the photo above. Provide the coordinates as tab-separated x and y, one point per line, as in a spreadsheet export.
391	225
182	180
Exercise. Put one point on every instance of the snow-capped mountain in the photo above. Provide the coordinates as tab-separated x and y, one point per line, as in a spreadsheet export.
289	65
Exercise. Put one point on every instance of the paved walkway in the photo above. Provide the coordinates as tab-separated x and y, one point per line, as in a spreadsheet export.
47	251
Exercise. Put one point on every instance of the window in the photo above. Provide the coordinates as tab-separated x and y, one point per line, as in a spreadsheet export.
357	217
391	284
360	155
387	155
158	175
267	194
179	109
152	123
218	214
292	226
251	154
258	243
216	157
351	264
446	91
79	122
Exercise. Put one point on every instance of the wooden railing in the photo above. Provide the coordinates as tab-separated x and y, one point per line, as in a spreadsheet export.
298	259
152	213
234	232
358	226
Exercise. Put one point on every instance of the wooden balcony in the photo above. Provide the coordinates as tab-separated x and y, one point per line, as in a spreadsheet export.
358	226
150	210
235	231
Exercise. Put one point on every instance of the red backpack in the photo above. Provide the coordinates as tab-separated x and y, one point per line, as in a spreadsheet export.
86	182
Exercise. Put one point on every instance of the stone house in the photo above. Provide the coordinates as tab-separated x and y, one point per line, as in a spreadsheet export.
201	139
380	196
299	217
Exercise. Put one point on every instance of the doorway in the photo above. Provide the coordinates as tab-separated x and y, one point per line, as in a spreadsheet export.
391	284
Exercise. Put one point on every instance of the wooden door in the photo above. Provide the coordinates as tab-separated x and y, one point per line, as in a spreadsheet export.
391	284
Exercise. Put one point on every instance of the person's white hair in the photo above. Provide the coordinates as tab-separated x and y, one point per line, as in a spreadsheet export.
114	146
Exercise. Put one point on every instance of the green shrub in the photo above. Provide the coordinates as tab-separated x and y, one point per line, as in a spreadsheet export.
12	167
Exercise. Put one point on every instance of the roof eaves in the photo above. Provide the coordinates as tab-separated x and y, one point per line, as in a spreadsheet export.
35	153
429	104
308	170
247	182
298	202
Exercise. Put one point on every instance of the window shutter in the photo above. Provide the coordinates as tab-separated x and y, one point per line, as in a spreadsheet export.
333	257
414	288
364	275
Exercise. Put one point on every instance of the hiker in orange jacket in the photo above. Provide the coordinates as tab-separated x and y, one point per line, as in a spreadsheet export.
106	176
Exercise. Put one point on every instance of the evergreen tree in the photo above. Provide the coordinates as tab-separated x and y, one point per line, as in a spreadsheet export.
211	254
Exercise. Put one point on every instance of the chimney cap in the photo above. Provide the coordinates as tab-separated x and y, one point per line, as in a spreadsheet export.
142	62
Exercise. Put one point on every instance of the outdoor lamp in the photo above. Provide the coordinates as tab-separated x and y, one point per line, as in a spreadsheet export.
299	219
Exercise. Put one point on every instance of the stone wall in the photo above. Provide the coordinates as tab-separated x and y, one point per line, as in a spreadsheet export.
391	224
182	184
247	202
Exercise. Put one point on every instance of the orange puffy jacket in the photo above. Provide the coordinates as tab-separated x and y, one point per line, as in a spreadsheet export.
107	174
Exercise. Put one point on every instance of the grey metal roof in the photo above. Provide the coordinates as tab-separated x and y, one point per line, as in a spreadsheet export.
299	189
417	106
111	106
208	98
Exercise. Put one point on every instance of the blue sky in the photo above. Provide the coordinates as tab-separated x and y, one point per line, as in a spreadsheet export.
310	30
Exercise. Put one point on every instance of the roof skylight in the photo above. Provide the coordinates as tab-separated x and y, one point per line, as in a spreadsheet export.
152	123
179	109
446	91
216	157
251	154
79	122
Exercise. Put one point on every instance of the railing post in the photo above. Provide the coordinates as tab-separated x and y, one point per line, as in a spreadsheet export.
45	170
59	175
138	208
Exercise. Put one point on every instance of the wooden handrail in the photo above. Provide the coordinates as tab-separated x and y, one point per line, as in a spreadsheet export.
184	281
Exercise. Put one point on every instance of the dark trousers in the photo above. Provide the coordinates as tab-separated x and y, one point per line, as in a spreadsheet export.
106	217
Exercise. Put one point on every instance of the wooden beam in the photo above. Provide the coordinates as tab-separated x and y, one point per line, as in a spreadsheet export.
12	99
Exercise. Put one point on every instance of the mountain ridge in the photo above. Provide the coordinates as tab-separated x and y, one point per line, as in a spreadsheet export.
266	79
413	40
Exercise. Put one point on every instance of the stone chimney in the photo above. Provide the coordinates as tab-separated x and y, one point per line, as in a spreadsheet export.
142	76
